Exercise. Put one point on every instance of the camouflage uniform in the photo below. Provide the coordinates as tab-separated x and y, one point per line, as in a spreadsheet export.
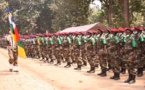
78	53
103	56
58	50
114	54
67	51
52	56
91	54
130	50
84	50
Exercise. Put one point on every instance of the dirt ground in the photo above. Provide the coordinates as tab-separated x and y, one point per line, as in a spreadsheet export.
36	75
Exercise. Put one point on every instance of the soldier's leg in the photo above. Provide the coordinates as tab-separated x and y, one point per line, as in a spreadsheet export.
109	63
91	61
100	62
84	59
133	74
11	59
43	52
52	58
103	66
113	67
15	63
123	68
97	61
73	57
58	57
140	65
117	70
68	60
39	51
79	63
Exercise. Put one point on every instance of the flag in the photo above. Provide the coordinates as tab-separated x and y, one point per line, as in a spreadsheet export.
15	34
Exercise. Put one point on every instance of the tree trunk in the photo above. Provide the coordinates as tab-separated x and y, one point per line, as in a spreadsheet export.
110	14
126	13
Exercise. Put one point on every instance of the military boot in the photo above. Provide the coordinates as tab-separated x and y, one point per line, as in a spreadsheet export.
129	79
104	73
117	76
57	64
68	65
78	68
84	64
132	80
92	70
100	73
113	77
123	70
140	72
109	67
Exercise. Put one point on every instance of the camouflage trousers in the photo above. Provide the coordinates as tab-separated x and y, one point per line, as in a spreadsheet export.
92	59
130	64
131	68
103	61
115	64
13	55
58	54
78	58
74	56
39	50
84	57
67	56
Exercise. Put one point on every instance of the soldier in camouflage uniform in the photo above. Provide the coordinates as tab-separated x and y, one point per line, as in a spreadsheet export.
91	52
78	51
51	42
103	55
84	49
130	55
58	49
68	50
114	53
140	51
47	49
122	43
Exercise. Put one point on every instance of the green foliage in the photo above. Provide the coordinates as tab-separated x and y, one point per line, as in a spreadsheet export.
69	13
39	16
